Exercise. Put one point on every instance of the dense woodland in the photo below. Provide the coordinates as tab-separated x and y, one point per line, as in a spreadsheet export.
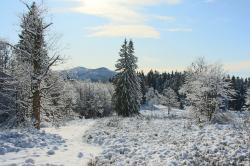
175	80
32	93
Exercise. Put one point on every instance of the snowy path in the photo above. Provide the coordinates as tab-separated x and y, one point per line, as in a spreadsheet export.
73	152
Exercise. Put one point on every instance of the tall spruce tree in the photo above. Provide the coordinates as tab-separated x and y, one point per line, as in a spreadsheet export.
32	63
127	94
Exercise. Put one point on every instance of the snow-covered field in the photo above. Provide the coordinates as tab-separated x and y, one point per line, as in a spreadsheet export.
50	146
159	139
153	139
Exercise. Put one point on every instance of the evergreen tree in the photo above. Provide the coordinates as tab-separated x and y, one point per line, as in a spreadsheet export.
150	79
248	99
240	87
32	63
127	93
143	87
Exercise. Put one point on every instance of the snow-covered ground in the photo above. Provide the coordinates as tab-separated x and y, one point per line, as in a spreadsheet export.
50	146
158	139
153	139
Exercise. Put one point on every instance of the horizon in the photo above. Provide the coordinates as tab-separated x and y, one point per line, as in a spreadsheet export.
145	72
174	32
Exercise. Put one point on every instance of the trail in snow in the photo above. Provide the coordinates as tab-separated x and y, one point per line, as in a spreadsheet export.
73	152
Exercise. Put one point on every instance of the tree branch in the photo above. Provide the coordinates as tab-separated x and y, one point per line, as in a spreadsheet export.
48	67
47	26
18	49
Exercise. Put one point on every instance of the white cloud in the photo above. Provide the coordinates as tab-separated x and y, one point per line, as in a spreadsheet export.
124	31
111	10
123	16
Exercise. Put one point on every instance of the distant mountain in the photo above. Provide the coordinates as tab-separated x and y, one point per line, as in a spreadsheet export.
82	73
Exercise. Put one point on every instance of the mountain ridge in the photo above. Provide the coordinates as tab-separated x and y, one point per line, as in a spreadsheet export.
83	73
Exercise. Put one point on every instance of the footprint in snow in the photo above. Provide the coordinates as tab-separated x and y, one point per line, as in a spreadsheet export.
13	165
80	155
51	152
30	161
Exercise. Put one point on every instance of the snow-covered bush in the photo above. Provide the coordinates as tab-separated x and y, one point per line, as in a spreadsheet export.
152	97
222	117
7	88
169	99
206	89
7	99
21	72
93	99
58	100
4	55
22	139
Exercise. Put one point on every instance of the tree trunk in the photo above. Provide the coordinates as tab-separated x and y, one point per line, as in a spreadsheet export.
36	80
169	110
36	101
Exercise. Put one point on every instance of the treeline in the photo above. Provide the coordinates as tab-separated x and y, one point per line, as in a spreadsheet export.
160	81
175	80
241	86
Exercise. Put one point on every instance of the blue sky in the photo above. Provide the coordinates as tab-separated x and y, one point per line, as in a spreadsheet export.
168	34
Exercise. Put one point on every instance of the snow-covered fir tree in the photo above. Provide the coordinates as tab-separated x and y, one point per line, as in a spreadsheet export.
206	89
127	93
169	99
32	63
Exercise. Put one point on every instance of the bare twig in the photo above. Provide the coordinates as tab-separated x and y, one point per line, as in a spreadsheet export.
18	49
45	27
25	4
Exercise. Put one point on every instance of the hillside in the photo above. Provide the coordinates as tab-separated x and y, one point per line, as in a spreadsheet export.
82	73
